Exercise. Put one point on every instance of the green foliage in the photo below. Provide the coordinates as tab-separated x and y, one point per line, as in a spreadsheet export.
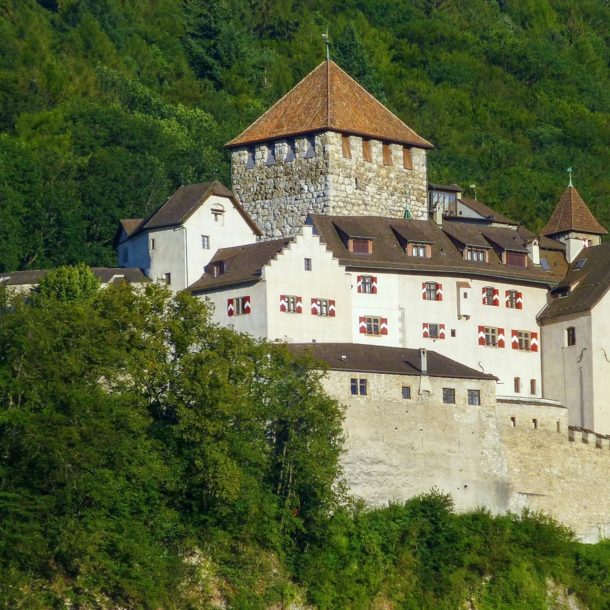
67	284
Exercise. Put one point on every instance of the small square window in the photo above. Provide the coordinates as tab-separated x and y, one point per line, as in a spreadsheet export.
535	424
406	392
449	396
571	336
474	397
307	264
433	331
363	387
240	306
533	387
354	387
205	242
453	332
580	264
152	244
513	422
167	278
517	385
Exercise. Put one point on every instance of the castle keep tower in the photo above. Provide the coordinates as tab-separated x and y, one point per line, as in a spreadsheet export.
328	147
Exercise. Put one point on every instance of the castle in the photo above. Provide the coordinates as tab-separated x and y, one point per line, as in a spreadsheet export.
471	353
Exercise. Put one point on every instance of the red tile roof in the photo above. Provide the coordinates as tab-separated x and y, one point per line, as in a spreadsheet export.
572	214
328	99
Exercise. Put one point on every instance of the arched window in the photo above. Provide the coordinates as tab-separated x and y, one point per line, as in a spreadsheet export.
218	214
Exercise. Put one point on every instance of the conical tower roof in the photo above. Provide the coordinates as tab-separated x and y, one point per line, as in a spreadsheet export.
572	214
328	99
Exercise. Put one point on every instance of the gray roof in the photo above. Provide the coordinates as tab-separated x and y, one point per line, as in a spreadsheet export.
243	264
103	274
484	210
379	359
591	282
179	207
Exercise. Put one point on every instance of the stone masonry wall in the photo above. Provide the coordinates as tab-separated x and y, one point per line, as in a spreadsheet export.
279	196
493	455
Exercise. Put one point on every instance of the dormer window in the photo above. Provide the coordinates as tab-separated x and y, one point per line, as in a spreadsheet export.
218	269
445	200
218	214
477	255
515	259
361	246
419	250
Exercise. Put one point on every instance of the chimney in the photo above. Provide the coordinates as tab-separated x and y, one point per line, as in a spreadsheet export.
437	215
533	249
423	359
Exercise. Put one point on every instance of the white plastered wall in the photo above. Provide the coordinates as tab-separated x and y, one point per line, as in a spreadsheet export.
600	362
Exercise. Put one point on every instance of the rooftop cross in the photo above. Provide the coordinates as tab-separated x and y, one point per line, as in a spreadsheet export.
327	41
570	173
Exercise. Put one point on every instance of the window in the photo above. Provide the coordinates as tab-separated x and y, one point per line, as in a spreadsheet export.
571	336
218	213
558	427
474	397
545	264
517	385
407	161
373	326
218	269
358	386
453	332
488	295
167	278
406	392
433	331
525	340
511	299
516	259
205	242
513	422
322	307
310	147
491	336
535	424
291	304
445	200
533	387
366	284
346	148
152	244
419	250
476	255
366	150
361	246
242	306
580	264
449	396
387	155
307	264
430	294
250	163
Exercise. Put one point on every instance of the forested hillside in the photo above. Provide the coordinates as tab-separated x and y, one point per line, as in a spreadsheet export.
106	106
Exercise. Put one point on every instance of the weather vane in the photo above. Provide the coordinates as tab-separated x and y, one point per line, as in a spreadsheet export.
570	173
327	41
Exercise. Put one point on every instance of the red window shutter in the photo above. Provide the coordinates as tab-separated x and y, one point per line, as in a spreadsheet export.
481	335
496	297
246	305
384	326
484	295
423	290
299	305
359	283
519	300
501	338
282	302
426	332
230	307
514	339
507	298
331	309
374	286
362	325
534	342
441	331
439	292
315	310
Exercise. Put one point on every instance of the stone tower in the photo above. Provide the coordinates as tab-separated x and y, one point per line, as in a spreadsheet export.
328	147
573	224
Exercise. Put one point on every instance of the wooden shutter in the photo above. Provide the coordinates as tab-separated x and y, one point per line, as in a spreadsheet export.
507	298
519	300
331	309
484	294
366	150
514	339
246	305
496	302
441	331
374	285
423	290
359	283
501	338
384	326
347	150
439	292
362	325
299	305
230	307
426	331
481	335
283	302
534	342
407	162
387	155
315	309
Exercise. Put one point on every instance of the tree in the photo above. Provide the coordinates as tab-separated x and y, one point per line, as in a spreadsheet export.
67	284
